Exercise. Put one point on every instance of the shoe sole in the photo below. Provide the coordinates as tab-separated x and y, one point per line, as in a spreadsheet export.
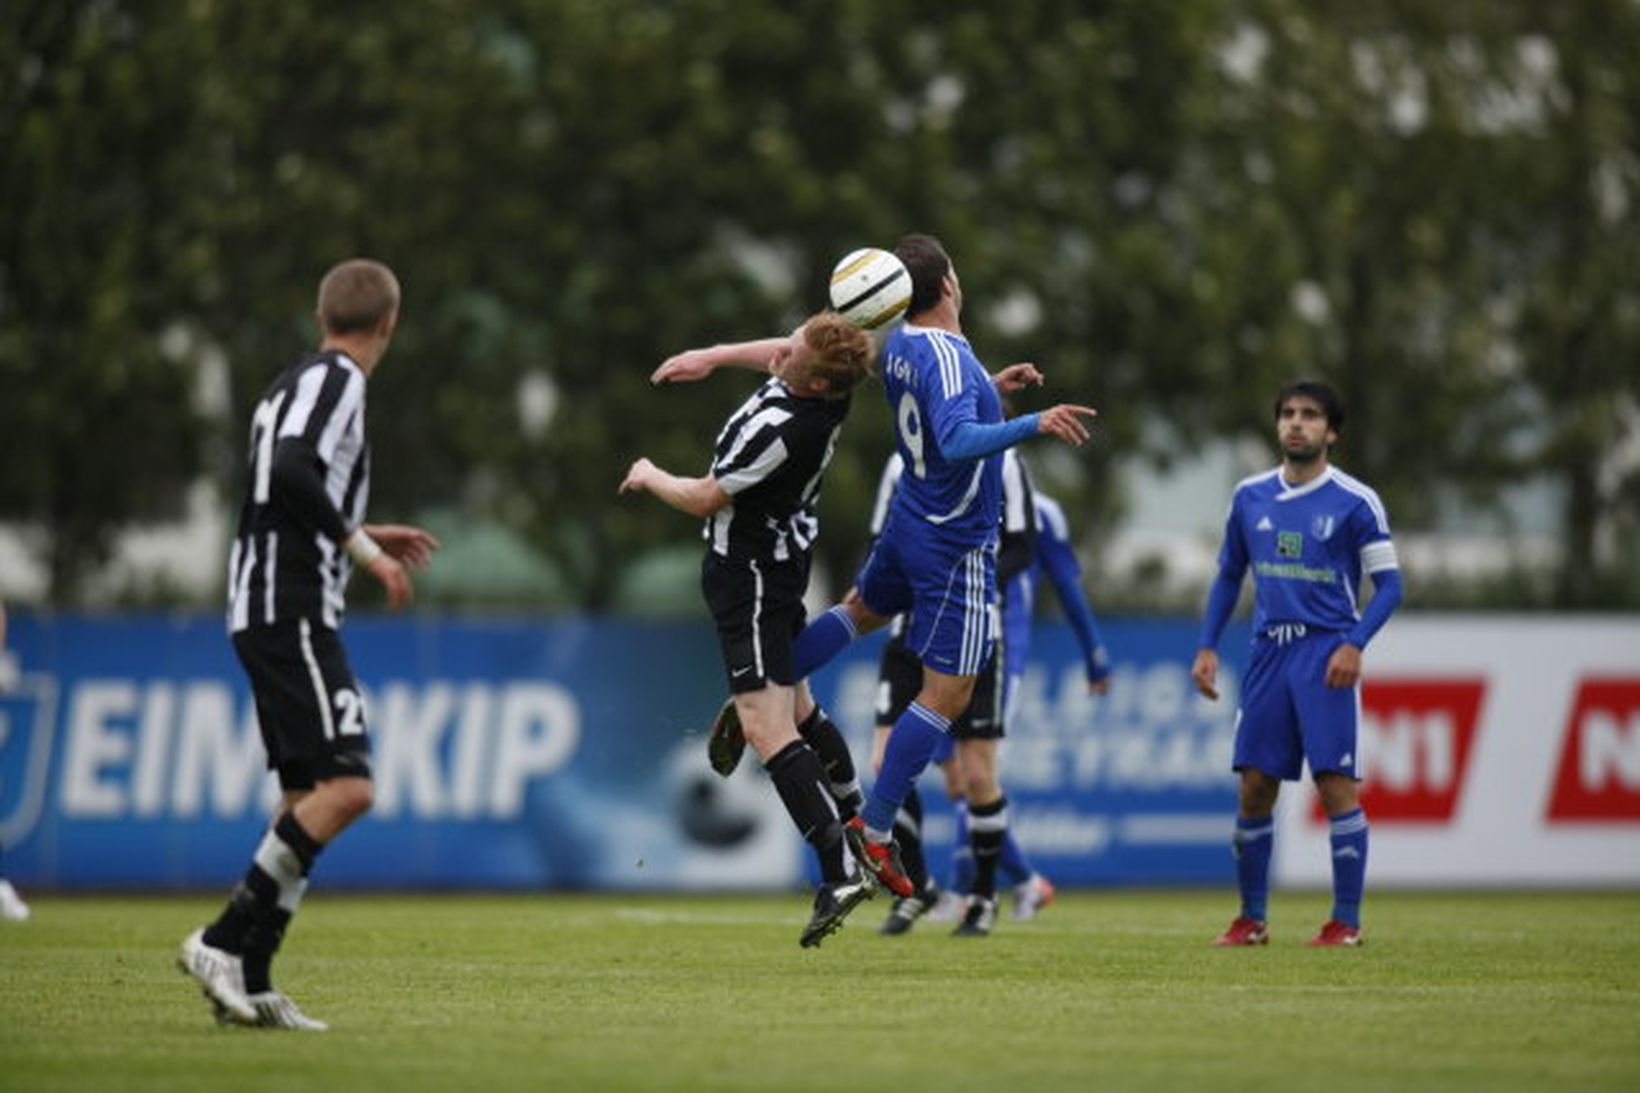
816	932
726	741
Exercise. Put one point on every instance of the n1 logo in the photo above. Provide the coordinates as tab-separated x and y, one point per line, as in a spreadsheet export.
1416	738
1599	776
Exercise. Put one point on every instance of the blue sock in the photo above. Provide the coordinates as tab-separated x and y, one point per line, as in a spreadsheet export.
1252	843
821	640
1015	867
962	854
910	745
1349	865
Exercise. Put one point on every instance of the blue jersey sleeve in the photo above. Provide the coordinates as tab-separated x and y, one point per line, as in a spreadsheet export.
1226	588
1376	551
1386	597
1058	558
971	440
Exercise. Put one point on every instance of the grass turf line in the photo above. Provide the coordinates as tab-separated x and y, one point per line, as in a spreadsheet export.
1109	989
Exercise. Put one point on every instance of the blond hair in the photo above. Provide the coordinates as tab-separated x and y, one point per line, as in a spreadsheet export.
356	295
842	352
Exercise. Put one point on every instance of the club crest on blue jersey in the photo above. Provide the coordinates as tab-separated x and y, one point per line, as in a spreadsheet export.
1322	527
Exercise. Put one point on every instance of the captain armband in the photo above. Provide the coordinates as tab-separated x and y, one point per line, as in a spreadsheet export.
1378	556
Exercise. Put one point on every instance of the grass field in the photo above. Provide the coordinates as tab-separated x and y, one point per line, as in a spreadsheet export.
1107	990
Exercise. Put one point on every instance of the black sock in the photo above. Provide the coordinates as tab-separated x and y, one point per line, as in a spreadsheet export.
801	783
827	742
908	834
987	831
254	922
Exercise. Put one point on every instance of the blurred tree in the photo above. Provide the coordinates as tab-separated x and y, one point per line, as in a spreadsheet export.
1171	207
99	419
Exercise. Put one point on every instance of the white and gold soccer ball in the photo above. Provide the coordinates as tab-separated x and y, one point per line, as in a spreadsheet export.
870	287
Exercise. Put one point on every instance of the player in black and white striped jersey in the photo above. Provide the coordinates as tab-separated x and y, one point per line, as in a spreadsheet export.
301	529
758	501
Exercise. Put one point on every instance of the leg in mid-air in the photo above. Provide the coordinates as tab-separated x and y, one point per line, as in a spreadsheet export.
829	632
899	680
826	740
916	736
766	717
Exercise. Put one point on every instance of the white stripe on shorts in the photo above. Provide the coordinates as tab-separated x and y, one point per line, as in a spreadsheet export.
318	678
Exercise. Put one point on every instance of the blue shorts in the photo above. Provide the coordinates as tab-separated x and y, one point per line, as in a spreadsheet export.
1288	714
948	589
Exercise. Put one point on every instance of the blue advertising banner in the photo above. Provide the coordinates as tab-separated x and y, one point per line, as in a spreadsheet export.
560	753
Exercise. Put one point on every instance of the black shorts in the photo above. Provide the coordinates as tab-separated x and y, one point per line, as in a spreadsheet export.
309	707
758	608
899	678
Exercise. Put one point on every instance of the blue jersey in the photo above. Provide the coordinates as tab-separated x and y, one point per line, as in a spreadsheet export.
1056	556
1307	547
934	384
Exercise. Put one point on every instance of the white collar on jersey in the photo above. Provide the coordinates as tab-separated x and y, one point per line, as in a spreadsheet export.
925	331
1289	492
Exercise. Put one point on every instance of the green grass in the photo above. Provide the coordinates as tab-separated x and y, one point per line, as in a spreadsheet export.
1108	990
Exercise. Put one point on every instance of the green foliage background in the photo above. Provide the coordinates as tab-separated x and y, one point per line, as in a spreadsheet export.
580	187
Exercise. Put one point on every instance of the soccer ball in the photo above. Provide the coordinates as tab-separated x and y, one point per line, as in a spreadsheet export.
870	287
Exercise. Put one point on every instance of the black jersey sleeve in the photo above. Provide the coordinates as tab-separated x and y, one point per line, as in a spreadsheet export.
299	487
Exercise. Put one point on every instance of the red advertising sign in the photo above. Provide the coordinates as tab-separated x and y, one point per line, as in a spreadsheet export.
1416	738
1599	776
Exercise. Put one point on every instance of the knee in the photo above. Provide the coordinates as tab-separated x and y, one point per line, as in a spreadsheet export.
1338	792
950	698
864	618
765	729
1258	793
354	796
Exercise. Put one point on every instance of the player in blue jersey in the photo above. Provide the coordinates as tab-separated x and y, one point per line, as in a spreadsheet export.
936	557
1047	550
1308	531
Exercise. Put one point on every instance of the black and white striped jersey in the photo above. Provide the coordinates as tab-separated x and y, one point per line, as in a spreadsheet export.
1017	546
769	458
308	484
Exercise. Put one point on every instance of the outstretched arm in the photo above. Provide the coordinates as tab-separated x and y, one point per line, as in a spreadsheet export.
697	364
971	440
699	497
